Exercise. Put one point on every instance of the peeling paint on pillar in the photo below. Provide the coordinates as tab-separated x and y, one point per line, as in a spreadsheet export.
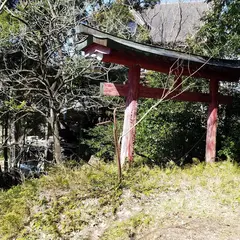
130	116
212	123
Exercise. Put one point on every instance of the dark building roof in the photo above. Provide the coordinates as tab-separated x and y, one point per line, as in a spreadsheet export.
157	58
172	22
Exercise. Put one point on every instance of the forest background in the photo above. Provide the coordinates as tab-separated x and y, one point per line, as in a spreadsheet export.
51	92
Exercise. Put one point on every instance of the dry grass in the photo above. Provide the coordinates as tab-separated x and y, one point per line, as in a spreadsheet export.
197	202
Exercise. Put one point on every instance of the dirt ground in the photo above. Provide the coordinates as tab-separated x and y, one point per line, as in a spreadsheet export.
197	229
176	216
182	220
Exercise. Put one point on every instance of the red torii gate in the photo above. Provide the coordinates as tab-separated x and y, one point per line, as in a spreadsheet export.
135	56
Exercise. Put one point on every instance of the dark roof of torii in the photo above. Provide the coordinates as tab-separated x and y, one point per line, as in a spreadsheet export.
150	57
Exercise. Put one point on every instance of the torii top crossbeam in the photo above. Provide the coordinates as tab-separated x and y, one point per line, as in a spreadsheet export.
135	56
125	52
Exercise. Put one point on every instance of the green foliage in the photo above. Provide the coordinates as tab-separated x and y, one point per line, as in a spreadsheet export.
220	37
101	141
14	106
170	131
15	209
228	127
101	137
229	149
142	35
114	20
220	34
173	131
9	26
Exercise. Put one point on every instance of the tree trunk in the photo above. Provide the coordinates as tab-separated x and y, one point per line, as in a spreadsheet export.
56	138
5	148
19	140
46	133
12	143
57	144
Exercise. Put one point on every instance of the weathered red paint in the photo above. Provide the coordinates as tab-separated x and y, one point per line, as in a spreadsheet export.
130	115
157	65
96	48
114	89
111	89
212	123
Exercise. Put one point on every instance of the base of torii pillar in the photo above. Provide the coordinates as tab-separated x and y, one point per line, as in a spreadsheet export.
130	115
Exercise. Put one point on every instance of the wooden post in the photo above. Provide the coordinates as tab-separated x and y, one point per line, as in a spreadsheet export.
212	123
112	89
130	115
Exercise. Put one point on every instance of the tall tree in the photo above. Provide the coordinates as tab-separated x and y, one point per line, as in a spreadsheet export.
47	72
220	34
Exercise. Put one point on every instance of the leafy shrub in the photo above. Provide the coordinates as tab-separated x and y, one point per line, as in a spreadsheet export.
101	141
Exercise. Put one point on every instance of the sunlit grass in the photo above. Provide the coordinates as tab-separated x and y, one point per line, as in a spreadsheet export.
69	200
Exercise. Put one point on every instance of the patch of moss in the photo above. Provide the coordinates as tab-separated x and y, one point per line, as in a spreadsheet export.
129	228
15	208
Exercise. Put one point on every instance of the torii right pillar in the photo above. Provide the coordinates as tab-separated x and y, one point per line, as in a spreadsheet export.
212	123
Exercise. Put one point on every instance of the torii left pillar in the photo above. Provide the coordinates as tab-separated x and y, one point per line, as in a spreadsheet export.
130	116
212	123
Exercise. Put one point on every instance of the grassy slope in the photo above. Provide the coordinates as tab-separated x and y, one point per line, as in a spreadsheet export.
198	202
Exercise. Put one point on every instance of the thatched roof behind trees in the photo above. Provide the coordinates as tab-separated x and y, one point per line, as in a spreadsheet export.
171	23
